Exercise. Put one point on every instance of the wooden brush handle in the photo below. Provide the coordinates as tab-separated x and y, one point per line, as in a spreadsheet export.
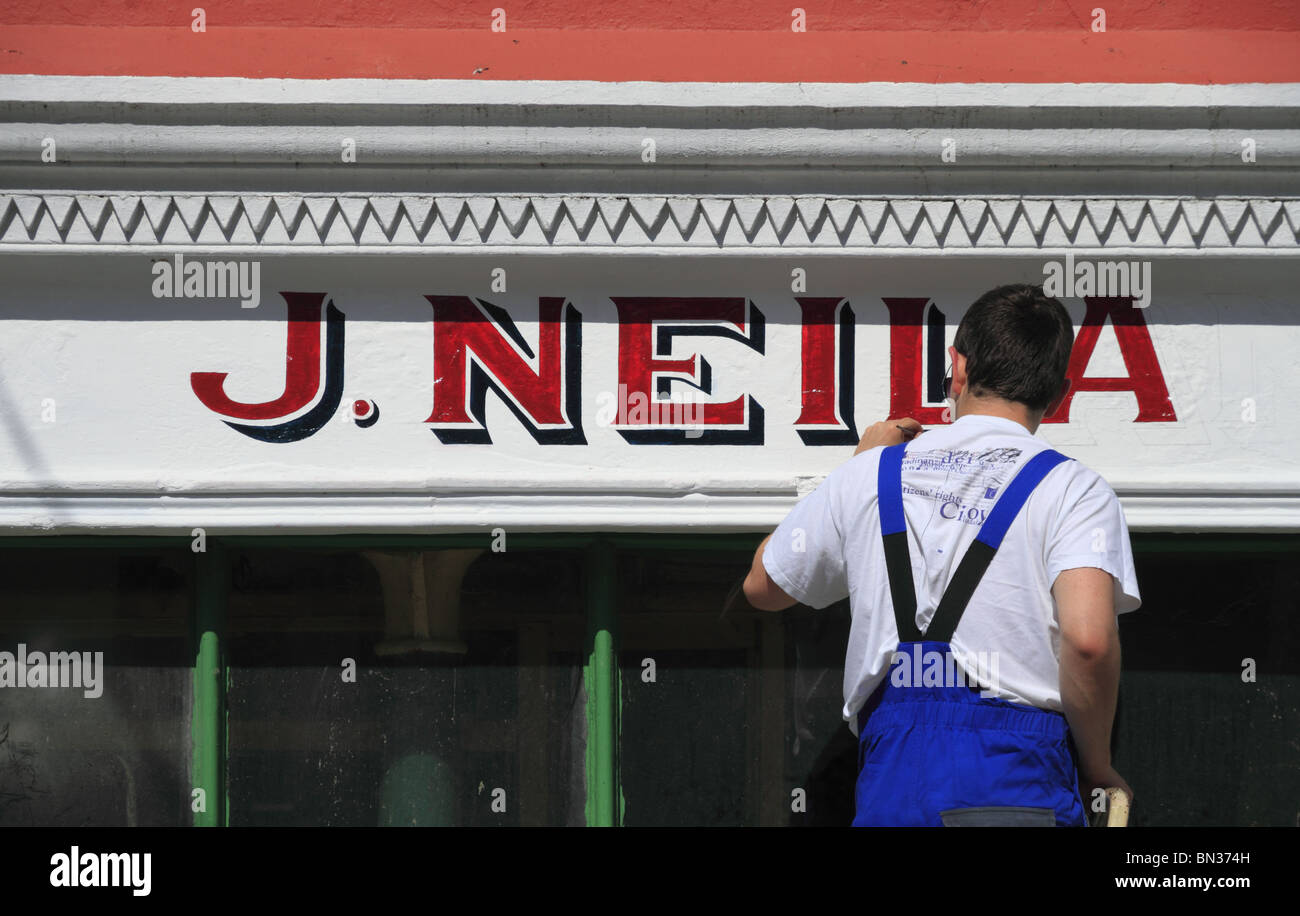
1117	806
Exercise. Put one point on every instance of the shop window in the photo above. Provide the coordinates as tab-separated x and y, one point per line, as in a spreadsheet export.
110	744
394	687
731	716
375	685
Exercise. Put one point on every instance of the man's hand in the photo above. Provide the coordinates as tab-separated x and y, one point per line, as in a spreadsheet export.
889	432
1102	778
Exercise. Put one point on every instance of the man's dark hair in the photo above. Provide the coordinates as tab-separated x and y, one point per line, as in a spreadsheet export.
1016	340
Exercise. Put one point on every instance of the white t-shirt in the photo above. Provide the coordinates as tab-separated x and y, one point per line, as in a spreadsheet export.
829	547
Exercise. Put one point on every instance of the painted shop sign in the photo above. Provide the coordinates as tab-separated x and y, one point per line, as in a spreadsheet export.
366	374
477	347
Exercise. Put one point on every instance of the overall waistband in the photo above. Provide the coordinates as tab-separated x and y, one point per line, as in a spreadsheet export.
958	705
943	706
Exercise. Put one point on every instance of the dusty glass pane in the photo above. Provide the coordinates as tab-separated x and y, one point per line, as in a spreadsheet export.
110	745
727	711
406	687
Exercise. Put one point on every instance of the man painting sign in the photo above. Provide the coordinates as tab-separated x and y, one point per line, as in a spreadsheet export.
971	541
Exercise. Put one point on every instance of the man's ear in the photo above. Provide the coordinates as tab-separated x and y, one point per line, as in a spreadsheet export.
1056	404
958	361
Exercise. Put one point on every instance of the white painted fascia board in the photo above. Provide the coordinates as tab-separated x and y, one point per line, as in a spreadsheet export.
317	513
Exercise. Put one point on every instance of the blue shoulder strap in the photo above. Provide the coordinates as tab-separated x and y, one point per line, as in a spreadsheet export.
893	530
977	558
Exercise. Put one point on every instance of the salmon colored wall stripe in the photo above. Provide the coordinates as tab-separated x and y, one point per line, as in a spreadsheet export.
687	15
1204	56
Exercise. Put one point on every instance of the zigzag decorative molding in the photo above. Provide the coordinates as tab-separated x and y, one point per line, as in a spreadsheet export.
591	221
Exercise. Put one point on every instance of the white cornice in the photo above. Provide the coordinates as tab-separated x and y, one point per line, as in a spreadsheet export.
459	136
621	147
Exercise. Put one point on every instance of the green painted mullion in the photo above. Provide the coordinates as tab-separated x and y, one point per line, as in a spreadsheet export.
601	679
208	719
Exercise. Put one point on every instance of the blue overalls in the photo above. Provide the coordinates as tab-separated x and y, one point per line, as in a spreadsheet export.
936	755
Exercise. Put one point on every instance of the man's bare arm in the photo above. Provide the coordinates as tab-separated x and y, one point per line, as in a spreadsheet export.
760	590
1090	664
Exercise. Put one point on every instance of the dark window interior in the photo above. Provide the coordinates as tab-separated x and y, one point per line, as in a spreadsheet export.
371	686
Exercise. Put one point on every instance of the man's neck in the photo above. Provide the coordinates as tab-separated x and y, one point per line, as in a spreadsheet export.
996	407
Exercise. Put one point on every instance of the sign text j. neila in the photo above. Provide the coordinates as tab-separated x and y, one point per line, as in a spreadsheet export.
477	347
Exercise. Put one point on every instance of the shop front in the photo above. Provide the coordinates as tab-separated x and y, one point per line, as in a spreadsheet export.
415	488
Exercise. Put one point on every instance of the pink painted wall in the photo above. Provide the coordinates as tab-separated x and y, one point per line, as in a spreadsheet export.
1201	41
